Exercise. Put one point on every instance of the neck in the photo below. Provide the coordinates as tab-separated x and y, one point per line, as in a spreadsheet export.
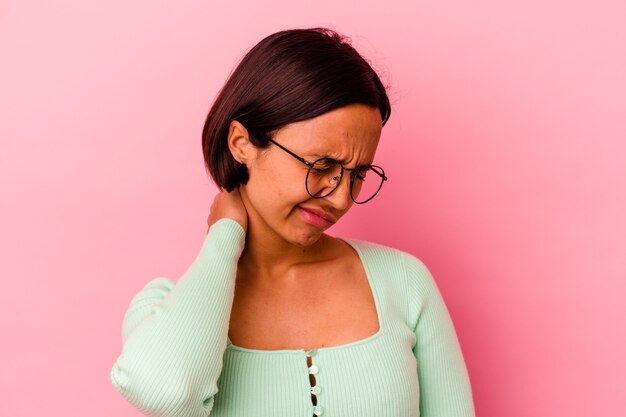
268	258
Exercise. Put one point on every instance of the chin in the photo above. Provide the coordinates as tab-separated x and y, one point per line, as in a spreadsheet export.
307	236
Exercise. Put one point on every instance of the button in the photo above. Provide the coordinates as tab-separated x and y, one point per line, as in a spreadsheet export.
316	389
313	369
318	410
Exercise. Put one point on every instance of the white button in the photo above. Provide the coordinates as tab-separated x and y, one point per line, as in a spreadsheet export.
318	410
316	389
313	369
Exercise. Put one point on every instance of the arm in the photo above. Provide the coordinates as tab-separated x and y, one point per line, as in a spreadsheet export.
445	388
174	335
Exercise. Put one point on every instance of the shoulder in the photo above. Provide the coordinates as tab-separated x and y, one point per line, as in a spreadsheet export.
385	255
401	269
394	261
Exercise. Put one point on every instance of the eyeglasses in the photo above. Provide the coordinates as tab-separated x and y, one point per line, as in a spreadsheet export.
325	175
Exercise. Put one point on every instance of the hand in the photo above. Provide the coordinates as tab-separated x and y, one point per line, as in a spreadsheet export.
228	205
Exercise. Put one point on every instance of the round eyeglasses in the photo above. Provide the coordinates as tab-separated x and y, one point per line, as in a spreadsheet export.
325	175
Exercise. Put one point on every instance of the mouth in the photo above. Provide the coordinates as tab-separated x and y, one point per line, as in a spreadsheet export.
314	218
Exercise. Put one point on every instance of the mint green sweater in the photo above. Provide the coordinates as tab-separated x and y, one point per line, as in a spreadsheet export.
177	359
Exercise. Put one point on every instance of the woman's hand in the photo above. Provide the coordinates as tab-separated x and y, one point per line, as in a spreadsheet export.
228	205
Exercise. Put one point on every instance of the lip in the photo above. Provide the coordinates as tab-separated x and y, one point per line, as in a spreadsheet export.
324	215
314	218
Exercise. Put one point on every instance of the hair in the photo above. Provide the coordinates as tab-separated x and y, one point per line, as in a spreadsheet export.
289	76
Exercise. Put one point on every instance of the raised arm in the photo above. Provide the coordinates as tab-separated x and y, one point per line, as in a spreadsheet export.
445	388
174	334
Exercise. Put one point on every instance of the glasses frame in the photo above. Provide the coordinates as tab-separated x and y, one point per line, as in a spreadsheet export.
352	174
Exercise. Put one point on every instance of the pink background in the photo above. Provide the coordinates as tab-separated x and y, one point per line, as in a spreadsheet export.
505	153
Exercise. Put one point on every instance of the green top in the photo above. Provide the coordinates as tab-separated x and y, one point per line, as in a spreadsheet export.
177	359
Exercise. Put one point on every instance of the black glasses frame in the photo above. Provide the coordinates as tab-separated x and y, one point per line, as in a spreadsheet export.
352	174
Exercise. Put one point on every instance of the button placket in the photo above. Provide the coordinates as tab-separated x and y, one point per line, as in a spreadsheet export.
318	410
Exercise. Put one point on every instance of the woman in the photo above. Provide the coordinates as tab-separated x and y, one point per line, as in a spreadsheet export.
275	317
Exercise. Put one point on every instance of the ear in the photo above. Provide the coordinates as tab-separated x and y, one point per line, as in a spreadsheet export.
239	143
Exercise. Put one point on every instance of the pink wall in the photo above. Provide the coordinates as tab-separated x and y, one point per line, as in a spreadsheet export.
504	151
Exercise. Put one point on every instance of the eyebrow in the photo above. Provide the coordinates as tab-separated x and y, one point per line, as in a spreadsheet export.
343	161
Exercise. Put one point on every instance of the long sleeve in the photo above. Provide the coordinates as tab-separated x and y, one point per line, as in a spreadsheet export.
174	335
445	388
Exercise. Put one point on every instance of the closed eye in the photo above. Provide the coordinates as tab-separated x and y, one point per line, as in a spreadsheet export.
361	173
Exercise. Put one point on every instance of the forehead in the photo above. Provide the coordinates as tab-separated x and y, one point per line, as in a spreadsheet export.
348	133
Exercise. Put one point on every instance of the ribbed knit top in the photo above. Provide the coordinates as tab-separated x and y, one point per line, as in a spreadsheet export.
177	359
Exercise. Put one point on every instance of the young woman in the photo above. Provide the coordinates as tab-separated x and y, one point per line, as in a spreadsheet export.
275	317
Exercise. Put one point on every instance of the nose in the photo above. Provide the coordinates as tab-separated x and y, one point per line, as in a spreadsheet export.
340	196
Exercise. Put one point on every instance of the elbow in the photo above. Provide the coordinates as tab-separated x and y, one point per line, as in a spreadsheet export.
147	394
160	395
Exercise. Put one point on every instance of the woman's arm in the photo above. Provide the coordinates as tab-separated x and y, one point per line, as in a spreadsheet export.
174	335
445	388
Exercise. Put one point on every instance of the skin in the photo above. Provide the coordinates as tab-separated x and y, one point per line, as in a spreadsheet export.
279	242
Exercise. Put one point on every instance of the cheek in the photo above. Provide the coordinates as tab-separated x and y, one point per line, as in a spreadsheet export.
274	192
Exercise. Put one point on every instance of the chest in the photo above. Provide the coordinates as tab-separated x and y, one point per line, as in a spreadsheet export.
325	307
374	379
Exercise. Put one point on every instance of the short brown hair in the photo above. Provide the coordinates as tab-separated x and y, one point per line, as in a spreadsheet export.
289	76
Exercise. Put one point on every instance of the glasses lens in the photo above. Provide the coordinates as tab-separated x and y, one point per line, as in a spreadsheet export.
323	177
325	174
367	182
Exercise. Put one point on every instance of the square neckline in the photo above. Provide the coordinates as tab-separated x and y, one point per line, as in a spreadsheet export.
355	244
